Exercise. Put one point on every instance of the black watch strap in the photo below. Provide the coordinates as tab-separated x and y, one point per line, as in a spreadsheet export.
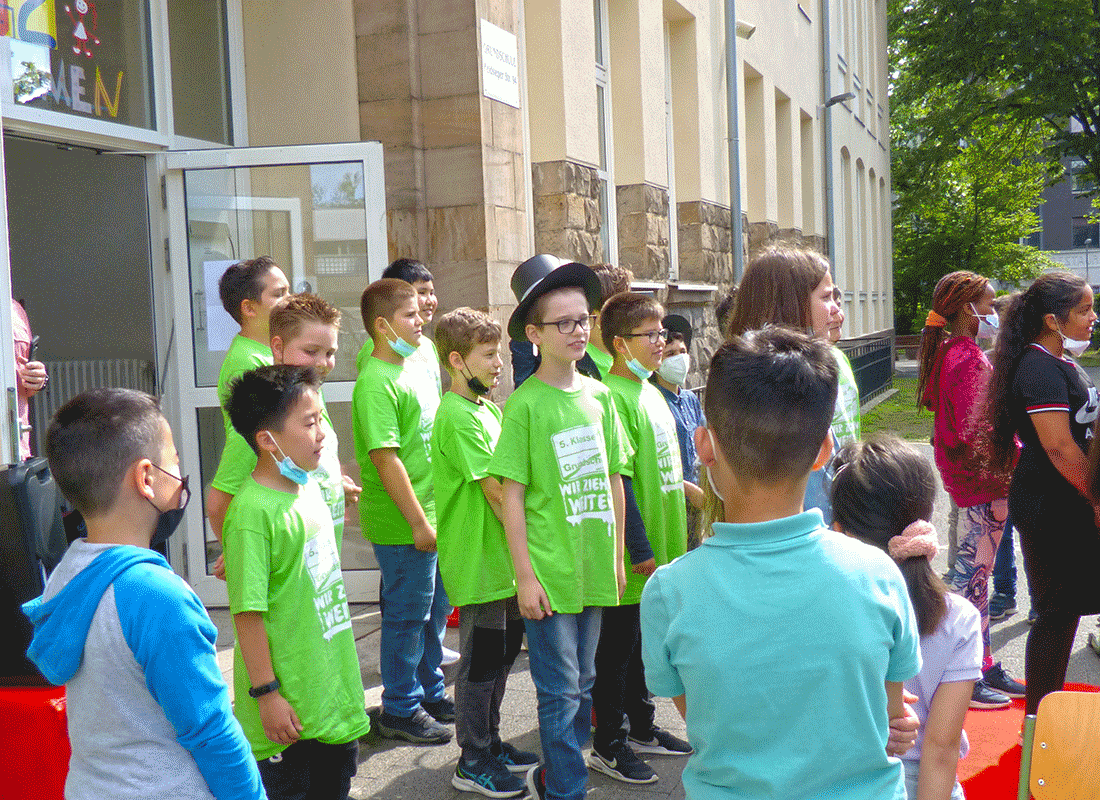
257	692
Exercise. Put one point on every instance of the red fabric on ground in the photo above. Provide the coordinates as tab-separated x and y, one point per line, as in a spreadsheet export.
34	743
991	771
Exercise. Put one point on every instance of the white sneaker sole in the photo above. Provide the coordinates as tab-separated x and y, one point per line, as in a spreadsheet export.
467	785
596	762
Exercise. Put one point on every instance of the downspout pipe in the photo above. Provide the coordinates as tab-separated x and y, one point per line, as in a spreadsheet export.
826	93
737	237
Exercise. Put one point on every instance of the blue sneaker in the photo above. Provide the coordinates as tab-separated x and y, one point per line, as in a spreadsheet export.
488	777
514	759
1001	605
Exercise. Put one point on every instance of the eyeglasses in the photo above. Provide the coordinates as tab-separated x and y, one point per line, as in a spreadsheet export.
568	326
653	336
185	490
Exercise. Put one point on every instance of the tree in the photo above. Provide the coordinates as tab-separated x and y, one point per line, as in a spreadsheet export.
966	179
1028	60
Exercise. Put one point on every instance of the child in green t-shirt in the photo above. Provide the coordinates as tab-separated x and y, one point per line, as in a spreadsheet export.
249	291
653	485
299	692
559	456
393	409
473	554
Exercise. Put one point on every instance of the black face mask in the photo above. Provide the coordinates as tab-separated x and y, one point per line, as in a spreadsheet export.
169	520
477	387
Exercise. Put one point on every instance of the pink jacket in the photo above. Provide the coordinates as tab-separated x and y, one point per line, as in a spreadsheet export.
957	390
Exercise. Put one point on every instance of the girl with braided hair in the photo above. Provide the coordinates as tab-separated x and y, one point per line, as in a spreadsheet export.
1043	396
883	495
952	383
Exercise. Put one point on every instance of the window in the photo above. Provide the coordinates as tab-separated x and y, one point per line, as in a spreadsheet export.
608	222
1086	232
198	38
1081	179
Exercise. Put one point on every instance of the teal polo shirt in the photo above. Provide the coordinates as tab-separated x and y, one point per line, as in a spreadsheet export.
782	635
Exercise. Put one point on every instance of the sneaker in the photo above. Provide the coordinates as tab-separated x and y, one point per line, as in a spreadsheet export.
661	743
536	782
449	657
488	777
984	697
999	680
1032	616
1001	606
622	764
442	710
514	759
420	728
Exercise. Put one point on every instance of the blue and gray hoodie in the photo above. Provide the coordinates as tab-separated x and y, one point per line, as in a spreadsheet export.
149	713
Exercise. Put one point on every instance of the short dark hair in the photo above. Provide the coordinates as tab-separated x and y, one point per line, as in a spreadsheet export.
262	398
382	298
408	270
95	437
624	312
461	330
769	400
244	281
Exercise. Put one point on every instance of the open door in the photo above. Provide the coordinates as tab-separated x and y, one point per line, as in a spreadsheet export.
319	211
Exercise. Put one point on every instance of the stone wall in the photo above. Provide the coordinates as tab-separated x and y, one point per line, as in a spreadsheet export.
704	239
643	230
567	211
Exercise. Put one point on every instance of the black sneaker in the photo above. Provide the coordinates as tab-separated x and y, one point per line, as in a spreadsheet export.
1032	616
514	759
984	697
622	764
536	782
443	710
661	743
997	679
488	777
420	728
1001	605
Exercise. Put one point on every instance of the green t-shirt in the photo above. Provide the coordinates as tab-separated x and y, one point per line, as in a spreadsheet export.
426	356
603	360
281	560
238	459
393	407
569	510
473	553
657	473
846	415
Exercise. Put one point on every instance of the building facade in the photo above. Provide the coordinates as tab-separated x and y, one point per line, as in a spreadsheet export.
149	143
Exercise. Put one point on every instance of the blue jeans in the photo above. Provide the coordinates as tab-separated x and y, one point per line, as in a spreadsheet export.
414	619
1004	568
562	653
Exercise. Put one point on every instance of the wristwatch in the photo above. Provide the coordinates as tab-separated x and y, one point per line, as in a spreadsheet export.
256	692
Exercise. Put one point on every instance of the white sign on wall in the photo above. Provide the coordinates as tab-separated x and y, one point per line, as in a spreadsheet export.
499	64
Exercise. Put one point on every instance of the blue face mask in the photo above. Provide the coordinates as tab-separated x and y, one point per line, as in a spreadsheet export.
399	345
635	366
287	468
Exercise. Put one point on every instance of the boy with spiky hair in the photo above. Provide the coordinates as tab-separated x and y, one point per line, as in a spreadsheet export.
473	554
394	406
653	486
299	692
559	457
249	291
148	710
723	627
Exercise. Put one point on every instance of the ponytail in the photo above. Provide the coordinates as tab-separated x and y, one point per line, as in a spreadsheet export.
952	293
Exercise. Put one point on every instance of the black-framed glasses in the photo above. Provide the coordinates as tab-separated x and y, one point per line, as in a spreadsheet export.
568	326
653	336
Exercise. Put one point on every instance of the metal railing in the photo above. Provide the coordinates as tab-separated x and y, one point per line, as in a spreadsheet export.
872	358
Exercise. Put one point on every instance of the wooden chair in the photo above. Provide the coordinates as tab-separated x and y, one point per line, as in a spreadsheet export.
1060	758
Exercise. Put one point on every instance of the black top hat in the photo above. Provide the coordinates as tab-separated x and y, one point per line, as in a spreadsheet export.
677	324
543	273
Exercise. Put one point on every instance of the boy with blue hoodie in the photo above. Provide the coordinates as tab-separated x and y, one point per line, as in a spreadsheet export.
148	711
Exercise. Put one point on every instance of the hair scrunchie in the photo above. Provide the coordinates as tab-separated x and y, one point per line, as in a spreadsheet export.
935	320
918	539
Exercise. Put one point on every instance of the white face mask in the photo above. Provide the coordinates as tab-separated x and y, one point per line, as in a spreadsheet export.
710	472
1074	346
674	369
988	324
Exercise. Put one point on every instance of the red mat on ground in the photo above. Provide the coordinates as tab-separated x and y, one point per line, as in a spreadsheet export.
992	769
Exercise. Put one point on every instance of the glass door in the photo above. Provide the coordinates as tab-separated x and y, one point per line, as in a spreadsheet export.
319	211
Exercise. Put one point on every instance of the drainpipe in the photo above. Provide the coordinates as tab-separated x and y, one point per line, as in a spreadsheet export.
737	237
826	93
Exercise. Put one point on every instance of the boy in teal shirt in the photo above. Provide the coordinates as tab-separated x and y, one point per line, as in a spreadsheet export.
653	485
473	554
724	628
249	291
299	692
560	455
394	407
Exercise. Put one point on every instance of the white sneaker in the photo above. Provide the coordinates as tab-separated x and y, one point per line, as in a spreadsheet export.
449	656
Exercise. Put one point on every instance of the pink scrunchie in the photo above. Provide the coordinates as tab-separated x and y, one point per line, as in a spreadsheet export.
918	539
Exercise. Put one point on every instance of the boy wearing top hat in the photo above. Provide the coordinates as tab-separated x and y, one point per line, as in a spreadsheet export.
563	523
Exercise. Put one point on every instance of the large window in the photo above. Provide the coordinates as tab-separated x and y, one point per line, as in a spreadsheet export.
1086	232
1081	179
81	57
198	38
608	221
